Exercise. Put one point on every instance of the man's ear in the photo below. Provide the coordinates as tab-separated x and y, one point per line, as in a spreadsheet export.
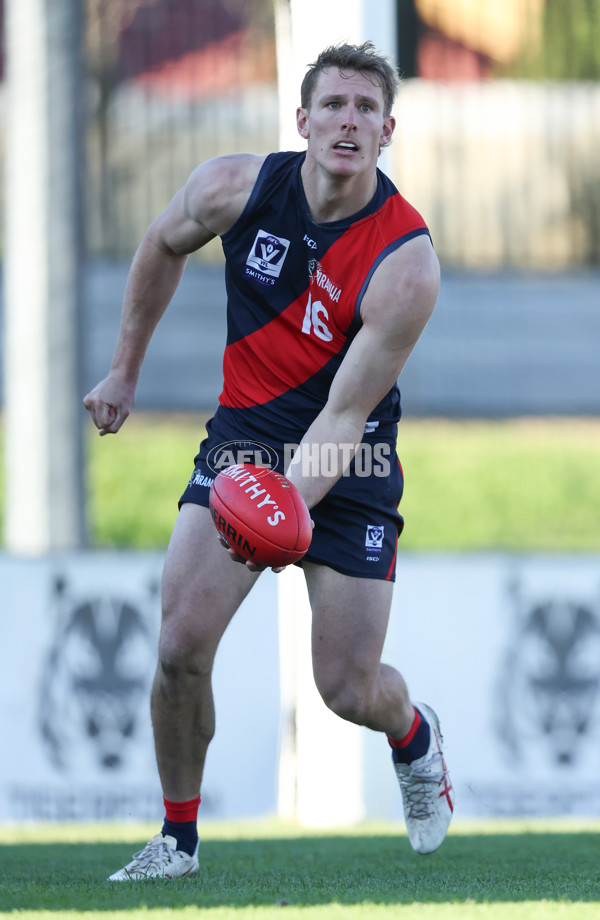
385	137
302	122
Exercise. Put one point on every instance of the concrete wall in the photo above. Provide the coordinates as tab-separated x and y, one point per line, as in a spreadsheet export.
498	344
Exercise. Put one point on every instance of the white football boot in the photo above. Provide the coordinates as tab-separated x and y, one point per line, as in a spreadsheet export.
427	792
160	858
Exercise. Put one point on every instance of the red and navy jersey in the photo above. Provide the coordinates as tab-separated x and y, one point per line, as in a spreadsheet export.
294	290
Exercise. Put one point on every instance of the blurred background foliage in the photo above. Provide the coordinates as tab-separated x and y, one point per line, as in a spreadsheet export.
501	101
569	45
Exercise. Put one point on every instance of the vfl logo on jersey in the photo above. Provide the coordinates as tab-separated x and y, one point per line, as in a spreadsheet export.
374	538
266	258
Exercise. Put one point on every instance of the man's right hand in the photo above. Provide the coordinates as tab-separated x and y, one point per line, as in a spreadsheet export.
110	402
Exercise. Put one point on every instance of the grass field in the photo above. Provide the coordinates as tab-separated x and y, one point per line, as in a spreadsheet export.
252	871
520	485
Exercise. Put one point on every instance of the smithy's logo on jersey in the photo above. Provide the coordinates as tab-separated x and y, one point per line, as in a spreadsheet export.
266	257
374	538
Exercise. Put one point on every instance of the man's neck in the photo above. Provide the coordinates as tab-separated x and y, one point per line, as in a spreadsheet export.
332	198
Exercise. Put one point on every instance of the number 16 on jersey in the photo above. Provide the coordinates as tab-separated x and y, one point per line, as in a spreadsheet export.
314	317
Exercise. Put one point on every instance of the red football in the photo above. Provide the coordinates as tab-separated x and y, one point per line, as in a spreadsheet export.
261	514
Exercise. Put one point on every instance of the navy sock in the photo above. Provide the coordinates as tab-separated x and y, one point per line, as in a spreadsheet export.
414	744
180	822
184	832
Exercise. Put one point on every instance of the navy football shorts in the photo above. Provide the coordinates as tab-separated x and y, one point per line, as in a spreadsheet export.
357	523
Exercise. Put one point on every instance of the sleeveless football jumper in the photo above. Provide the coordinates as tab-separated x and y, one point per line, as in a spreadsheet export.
294	293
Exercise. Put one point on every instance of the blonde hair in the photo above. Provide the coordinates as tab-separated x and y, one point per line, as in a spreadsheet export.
361	58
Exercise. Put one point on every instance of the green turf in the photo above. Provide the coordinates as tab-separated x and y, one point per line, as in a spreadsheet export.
519	485
524	484
252	871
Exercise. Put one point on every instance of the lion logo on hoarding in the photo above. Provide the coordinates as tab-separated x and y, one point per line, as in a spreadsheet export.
549	688
95	679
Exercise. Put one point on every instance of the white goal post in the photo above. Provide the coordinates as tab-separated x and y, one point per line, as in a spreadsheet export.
312	787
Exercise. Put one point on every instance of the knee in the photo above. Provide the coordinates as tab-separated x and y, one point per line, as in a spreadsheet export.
346	698
183	656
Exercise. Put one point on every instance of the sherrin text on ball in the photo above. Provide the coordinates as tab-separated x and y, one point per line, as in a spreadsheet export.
261	514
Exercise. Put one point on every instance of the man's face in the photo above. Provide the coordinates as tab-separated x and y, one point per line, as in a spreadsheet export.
345	124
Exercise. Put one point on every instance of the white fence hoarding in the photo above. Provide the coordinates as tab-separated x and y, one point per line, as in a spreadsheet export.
506	648
77	662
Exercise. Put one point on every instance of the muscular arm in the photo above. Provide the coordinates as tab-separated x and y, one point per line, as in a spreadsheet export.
208	205
398	302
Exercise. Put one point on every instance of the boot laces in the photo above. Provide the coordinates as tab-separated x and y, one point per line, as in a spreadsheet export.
419	785
156	854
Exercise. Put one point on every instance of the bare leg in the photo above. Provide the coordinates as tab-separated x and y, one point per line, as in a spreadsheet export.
202	589
350	619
